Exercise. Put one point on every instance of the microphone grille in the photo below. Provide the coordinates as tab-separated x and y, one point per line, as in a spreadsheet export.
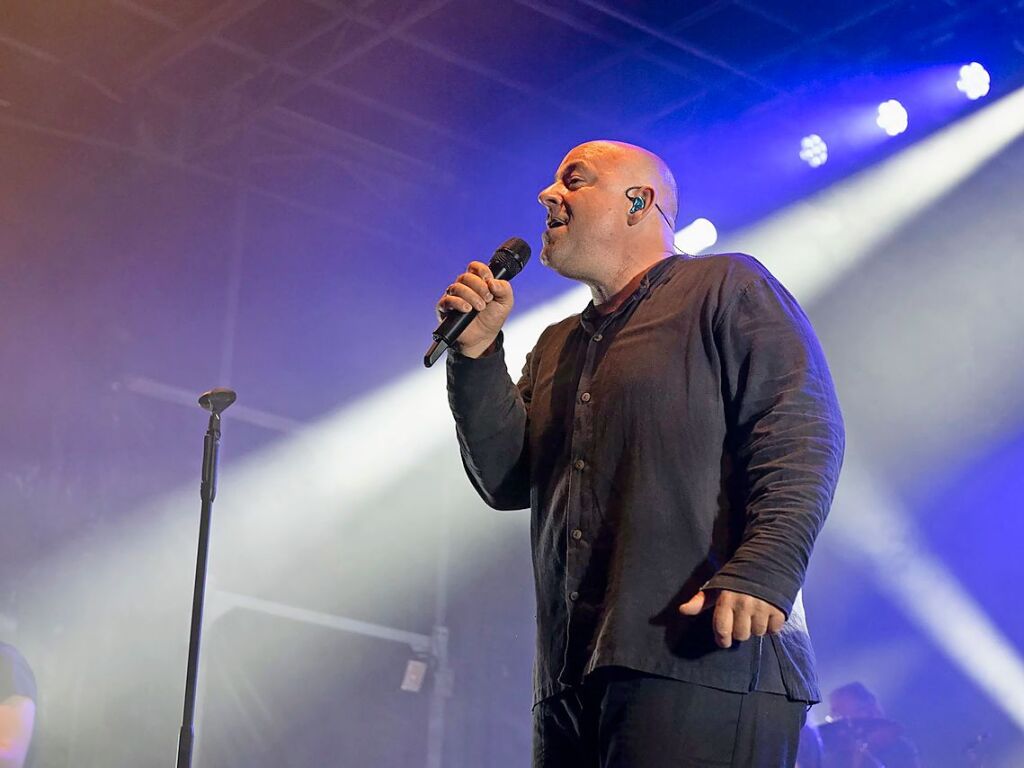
511	255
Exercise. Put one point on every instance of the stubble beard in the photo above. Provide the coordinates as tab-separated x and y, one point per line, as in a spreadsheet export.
564	263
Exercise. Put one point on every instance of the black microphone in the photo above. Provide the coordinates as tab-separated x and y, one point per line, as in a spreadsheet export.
507	262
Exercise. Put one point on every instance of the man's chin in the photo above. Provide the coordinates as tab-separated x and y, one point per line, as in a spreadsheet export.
551	256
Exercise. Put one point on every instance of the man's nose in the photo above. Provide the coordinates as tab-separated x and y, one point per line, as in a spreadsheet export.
549	197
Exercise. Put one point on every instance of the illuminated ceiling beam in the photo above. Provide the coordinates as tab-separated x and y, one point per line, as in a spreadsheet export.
189	38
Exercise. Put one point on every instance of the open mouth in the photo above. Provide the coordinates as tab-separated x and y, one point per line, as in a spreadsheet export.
554	222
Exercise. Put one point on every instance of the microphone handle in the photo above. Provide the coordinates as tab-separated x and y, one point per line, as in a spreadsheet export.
452	326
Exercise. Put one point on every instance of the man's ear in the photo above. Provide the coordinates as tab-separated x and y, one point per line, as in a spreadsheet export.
641	203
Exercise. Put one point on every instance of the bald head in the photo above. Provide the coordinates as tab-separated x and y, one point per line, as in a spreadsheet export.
641	166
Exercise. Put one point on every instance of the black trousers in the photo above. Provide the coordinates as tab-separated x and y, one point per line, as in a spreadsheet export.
620	718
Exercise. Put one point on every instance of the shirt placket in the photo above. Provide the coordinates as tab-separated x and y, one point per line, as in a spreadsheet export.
579	519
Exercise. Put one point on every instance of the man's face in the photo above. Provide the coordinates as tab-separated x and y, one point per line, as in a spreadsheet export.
845	706
586	212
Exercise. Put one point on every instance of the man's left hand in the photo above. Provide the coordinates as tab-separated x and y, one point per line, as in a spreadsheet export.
737	616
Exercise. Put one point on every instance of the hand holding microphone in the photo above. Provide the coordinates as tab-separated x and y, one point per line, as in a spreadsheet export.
474	308
476	290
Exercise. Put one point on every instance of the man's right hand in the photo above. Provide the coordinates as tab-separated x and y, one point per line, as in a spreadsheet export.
477	289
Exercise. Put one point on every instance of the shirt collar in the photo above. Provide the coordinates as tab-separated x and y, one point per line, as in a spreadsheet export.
590	317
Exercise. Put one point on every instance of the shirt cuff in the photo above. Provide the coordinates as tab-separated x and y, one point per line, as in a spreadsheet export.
459	362
468	377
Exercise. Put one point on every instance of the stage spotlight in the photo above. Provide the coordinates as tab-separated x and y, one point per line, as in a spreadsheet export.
831	242
813	150
697	236
892	117
974	80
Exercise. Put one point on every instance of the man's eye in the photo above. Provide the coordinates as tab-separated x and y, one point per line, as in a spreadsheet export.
575	180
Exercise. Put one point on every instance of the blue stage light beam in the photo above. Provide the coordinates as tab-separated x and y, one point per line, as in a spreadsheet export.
813	243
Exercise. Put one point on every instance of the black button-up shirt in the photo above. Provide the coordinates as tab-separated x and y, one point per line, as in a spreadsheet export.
691	437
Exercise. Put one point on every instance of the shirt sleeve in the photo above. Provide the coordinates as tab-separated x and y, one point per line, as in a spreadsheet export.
491	415
786	433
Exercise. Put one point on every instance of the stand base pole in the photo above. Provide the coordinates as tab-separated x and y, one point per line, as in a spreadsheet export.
184	748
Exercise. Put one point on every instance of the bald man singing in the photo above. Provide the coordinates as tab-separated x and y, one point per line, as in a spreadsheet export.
678	443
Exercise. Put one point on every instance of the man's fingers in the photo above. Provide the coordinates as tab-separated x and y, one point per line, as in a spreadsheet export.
449	304
737	616
722	623
759	624
471	298
476	284
480	269
699	602
500	289
741	621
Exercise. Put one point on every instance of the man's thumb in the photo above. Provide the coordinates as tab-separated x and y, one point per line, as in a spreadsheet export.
696	604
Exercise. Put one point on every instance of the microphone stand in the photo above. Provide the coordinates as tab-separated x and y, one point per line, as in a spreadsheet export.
216	401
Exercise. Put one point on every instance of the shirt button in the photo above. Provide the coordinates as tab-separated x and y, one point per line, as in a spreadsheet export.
598	337
585	397
574	596
577	534
579	464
